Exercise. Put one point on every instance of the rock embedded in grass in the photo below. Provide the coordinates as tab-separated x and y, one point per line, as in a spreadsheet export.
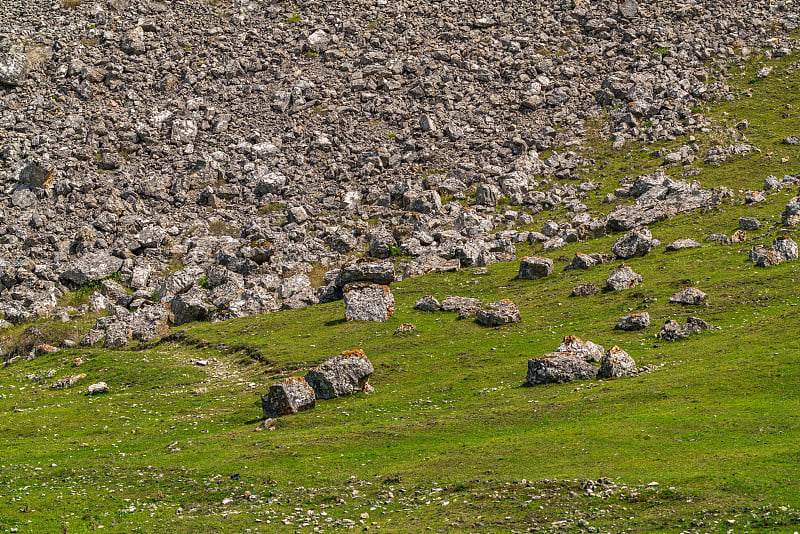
690	296
585	290
288	396
455	303
342	375
96	389
672	331
623	277
749	223
682	244
535	267
785	248
635	243
366	301
615	363
589	351
428	303
559	367
634	321
581	261
498	313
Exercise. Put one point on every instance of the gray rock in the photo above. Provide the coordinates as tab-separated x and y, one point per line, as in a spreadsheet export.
151	321
637	242
623	277
695	324
589	351
92	267
117	335
581	261
487	195
634	321
405	328
428	303
366	301
288	396
13	68
23	199
615	363
375	272
498	313
191	306
672	331
381	244
343	375
749	223
682	244
689	296
559	367
36	175
183	131
67	381
585	290
628	8
98	388
535	267
180	281
92	337
785	248
764	258
454	303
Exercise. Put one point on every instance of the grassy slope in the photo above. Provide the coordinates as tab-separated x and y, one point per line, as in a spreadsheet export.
450	421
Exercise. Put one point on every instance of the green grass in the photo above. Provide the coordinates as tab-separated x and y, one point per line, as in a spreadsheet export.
451	440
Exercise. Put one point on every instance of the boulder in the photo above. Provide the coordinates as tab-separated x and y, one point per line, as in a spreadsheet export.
117	335
585	290
92	337
637	242
180	281
763	257
342	375
382	244
454	303
36	175
379	272
151	321
428	303
695	324
672	331
191	306
534	267
98	388
623	277
681	244
67	381
288	396
581	261
368	302
791	213
615	363
487	195
591	352
559	367
689	296
498	313
90	268
13	68
634	321
749	223
785	248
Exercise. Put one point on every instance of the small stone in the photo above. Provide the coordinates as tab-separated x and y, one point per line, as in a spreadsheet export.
634	321
405	328
689	296
681	244
623	278
498	313
428	303
585	290
749	223
98	388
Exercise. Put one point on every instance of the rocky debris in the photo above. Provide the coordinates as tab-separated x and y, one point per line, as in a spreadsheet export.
559	367
682	244
791	140
498	313
428	303
534	267
782	249
615	363
461	304
690	296
589	351
754	197
191	306
634	321
623	277
405	328
749	223
585	290
97	389
774	183
637	242
117	335
342	375
89	268
288	396
366	301
672	331
717	154
67	381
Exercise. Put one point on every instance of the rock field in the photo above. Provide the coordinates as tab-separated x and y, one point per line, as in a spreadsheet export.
215	155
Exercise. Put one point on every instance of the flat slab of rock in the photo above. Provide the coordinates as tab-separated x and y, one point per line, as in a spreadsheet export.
288	396
585	290
689	295
454	303
90	268
623	277
559	367
342	375
366	301
376	272
535	267
682	244
428	303
98	388
498	313
634	321
615	363
637	242
589	351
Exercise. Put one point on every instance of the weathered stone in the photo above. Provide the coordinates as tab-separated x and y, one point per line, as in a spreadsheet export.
67	381
534	267
681	244
764	258
623	277
428	303
342	375
589	351
634	321
739	236
749	223
90	268
615	363
672	331
35	175
585	290
374	272
381	244
98	388
695	324
92	337
581	261
454	303
288	396
559	367
628	8
688	296
191	306
151	321
405	328
785	248
366	301
13	68
117	335
637	242
487	195
498	313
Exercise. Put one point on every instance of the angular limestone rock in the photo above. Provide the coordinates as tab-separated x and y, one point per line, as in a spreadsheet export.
559	367
689	295
288	396
616	362
342	375
635	243
634	321
535	267
591	352
498	313
368	302
623	278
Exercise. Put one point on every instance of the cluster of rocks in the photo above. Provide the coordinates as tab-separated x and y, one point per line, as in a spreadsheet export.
147	323
497	313
673	331
783	249
344	374
241	146
571	361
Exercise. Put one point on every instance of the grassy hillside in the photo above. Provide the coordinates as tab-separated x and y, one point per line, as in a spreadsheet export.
452	440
